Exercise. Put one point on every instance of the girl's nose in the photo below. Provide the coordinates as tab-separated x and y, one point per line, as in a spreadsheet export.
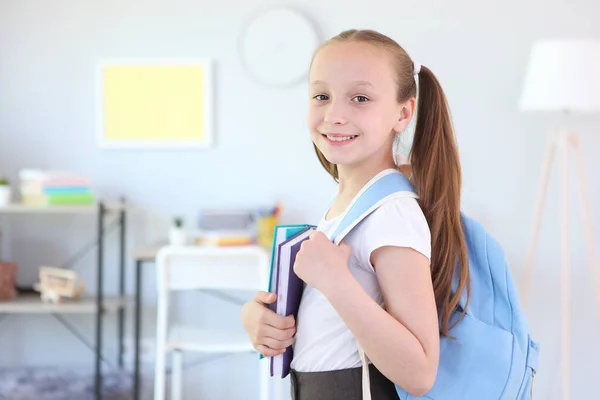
335	113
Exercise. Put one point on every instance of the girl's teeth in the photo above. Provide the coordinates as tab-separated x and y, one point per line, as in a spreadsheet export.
340	139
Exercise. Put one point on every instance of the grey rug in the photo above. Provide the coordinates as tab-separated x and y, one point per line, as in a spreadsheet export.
62	384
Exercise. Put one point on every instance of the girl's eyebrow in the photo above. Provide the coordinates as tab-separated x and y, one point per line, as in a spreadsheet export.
355	83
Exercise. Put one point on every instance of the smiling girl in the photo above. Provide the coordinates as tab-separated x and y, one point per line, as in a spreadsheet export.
387	288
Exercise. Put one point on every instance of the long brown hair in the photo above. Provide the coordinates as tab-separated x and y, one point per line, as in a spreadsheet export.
436	173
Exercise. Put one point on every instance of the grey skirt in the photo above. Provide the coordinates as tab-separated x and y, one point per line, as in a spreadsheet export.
345	384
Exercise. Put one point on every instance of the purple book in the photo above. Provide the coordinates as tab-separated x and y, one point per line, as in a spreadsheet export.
289	293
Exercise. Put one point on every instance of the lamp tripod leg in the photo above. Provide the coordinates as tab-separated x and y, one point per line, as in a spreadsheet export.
539	208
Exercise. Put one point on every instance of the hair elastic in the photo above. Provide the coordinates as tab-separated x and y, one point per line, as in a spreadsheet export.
416	68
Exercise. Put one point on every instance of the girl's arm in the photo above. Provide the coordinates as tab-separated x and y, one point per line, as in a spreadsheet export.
403	342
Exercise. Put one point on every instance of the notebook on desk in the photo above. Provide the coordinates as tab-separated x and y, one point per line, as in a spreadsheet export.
284	281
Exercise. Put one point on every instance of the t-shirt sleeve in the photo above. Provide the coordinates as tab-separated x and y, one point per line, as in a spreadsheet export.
399	222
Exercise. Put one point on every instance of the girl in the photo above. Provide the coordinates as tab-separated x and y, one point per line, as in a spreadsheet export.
387	287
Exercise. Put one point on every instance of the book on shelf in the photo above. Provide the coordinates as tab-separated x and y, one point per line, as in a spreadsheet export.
54	188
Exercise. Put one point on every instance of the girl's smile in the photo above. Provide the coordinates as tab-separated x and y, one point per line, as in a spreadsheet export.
339	139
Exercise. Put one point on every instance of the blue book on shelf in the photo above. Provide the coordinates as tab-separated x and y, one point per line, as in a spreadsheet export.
67	190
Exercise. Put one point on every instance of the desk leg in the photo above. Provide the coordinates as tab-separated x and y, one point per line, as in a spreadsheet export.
137	327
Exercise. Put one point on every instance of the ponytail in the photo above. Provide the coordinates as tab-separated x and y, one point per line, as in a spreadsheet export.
437	178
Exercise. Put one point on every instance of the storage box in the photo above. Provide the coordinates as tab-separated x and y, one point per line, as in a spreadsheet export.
8	276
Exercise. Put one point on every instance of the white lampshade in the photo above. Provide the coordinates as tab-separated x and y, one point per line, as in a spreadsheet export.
563	75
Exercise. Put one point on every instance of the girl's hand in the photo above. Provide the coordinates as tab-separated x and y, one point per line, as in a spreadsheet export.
269	332
320	263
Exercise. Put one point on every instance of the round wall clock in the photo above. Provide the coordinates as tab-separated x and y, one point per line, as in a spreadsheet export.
277	46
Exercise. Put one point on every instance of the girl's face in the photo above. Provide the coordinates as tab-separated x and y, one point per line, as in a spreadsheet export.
353	112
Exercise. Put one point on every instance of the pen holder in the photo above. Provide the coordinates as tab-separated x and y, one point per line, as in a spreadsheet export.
265	226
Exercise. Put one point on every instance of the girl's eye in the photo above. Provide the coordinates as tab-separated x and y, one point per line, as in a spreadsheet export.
360	99
320	97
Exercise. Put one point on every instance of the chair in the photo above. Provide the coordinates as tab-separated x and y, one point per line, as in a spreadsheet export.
191	268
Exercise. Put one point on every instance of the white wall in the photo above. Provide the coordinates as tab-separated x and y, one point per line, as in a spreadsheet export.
478	50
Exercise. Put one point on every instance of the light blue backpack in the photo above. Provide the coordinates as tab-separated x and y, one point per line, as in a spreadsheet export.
492	355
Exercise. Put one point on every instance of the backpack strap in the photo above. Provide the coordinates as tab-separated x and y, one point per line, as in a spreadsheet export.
377	191
366	379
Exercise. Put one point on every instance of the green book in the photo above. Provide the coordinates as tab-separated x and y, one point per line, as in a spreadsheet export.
70	199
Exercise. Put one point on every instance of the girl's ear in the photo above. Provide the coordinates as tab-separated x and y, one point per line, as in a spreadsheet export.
406	112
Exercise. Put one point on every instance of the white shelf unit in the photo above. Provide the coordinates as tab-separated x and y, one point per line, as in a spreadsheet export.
96	305
17	208
32	304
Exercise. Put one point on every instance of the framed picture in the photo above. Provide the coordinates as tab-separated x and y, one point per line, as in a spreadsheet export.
155	104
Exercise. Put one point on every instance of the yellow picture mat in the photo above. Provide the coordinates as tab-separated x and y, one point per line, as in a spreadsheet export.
156	104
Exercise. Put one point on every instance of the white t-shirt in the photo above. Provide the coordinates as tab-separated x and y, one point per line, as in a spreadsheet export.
323	341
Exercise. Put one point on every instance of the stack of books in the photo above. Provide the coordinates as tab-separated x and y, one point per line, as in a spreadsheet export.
287	240
225	227
52	188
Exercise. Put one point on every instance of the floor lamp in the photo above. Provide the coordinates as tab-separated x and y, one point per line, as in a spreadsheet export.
563	76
